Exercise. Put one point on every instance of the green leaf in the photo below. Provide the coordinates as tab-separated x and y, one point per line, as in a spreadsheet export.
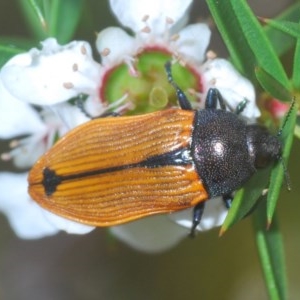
230	29
64	18
270	248
272	86
53	18
277	174
282	42
246	198
247	43
296	69
10	47
6	52
35	12
290	28
297	128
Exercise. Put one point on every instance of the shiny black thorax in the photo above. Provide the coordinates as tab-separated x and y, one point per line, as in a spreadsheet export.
220	151
227	152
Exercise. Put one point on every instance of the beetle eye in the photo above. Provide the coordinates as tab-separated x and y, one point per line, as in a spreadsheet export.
262	161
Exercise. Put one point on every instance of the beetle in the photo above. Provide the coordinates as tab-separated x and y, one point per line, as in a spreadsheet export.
113	170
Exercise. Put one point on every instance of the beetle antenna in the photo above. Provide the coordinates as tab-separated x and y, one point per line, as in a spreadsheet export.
286	174
287	116
182	99
279	133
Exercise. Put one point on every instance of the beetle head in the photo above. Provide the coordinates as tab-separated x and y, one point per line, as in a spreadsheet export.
264	148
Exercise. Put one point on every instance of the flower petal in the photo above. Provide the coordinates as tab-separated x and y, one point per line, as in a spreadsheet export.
69	115
29	150
53	74
214	215
66	225
233	86
17	118
131	13
29	220
25	216
154	234
193	41
108	45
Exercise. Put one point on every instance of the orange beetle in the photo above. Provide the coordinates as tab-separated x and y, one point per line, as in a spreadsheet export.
117	169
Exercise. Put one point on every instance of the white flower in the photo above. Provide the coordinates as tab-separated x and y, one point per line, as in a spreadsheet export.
159	26
154	26
26	218
232	86
19	118
160	233
136	14
131	69
53	74
47	77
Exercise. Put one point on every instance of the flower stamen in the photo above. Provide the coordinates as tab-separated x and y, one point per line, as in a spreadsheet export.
68	85
169	21
130	62
75	67
5	156
175	37
20	146
105	52
211	55
119	106
83	50
146	29
145	18
14	143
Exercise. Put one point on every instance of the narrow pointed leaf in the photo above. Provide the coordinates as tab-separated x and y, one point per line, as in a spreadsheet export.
270	248
36	14
236	22
230	29
277	175
296	69
53	18
6	52
10	47
246	198
64	18
297	128
37	10
272	86
290	28
280	41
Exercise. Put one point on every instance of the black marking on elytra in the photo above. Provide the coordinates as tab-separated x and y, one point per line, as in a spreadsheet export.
50	181
179	157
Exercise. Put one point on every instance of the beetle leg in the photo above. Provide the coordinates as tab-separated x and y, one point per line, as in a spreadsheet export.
212	98
182	99
227	199
197	215
241	106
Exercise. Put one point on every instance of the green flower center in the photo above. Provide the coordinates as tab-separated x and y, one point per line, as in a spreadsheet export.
150	90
